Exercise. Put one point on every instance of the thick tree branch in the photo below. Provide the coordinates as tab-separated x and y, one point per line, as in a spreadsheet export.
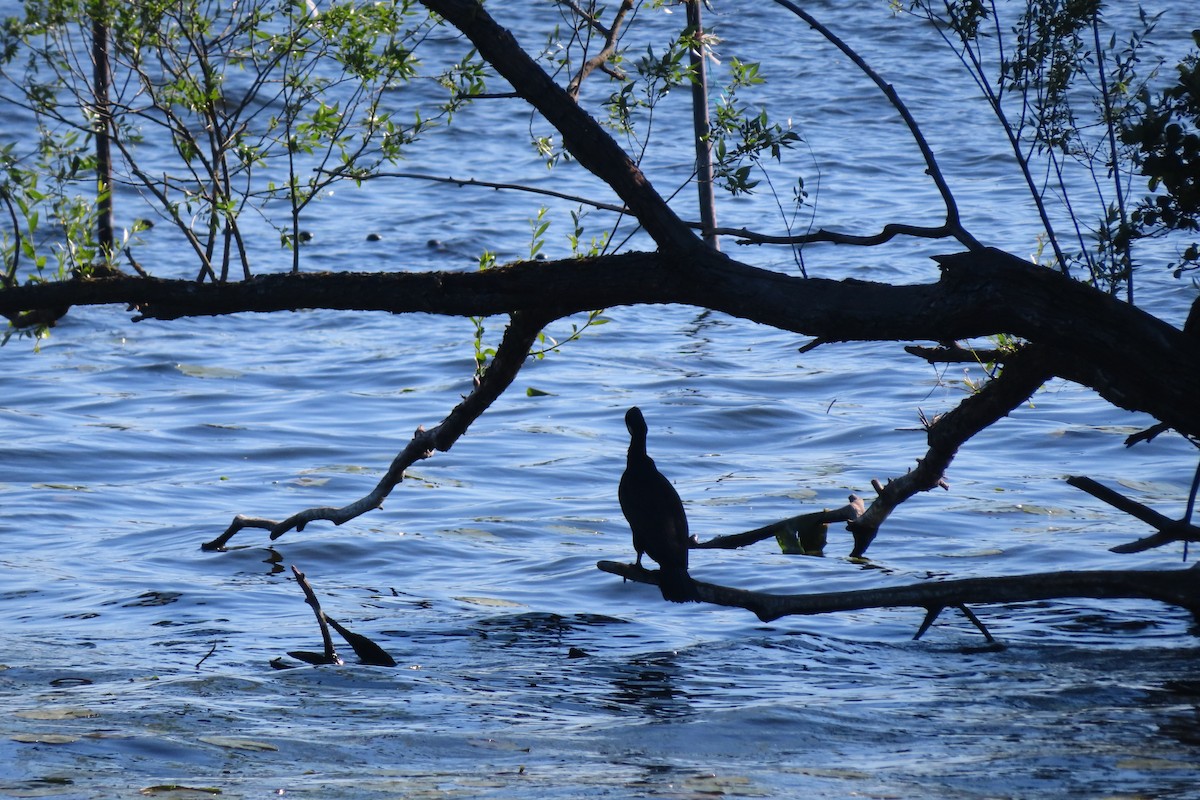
582	135
510	356
1131	358
1175	587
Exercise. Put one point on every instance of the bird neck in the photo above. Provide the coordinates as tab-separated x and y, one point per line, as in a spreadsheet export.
637	449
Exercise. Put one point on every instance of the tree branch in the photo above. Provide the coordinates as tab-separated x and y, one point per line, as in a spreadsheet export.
1023	374
582	135
953	224
1169	530
510	356
745	236
1133	359
610	34
507	186
787	529
1175	587
329	654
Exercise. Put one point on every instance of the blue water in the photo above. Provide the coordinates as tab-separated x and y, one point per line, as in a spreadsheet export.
131	659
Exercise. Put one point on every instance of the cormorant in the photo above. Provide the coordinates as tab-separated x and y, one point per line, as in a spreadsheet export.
655	514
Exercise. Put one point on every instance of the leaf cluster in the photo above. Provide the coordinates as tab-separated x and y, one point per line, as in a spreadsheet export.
263	104
1165	137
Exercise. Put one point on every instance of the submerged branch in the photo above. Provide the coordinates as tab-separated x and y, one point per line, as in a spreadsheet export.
1173	587
329	656
367	651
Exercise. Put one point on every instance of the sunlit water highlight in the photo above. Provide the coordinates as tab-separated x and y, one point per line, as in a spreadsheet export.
131	659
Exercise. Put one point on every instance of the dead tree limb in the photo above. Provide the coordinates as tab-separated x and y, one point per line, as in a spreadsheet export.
329	656
511	353
1023	374
367	651
1169	530
1179	587
789	529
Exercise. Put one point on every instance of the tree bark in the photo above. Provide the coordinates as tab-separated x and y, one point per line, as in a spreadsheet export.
1134	360
1179	587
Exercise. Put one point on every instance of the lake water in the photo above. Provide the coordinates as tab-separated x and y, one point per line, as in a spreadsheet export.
132	661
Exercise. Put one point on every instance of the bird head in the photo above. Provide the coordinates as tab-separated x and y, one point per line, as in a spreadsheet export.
635	422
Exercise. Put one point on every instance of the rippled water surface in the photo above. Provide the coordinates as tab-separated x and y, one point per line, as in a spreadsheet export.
132	661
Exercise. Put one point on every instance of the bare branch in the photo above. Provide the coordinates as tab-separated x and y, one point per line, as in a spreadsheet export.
505	186
510	356
1169	530
787	527
745	236
953	221
1023	374
329	656
610	34
1179	587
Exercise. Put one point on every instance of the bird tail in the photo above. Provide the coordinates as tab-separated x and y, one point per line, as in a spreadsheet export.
677	586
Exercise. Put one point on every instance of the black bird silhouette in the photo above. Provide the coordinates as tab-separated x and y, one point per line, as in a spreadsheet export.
655	515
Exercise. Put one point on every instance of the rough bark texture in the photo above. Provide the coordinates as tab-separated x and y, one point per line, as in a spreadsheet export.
1133	359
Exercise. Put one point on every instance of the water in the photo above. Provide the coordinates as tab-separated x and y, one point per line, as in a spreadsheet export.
133	660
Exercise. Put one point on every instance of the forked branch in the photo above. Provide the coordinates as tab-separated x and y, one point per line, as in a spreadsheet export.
1169	530
953	226
611	35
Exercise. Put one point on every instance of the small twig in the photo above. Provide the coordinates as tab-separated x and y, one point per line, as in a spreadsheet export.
211	650
954	354
851	511
514	187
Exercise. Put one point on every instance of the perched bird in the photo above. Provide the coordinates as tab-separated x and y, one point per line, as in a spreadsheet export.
655	515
